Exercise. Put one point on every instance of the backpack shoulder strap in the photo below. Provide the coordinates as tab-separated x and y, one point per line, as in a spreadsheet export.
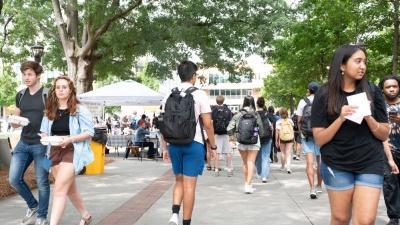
20	95
45	93
191	90
307	100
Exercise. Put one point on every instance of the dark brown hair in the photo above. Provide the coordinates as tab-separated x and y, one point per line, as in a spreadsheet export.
35	66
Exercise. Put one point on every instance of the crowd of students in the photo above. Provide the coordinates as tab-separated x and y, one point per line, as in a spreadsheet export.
353	158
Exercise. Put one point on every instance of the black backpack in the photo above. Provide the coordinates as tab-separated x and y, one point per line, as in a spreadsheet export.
267	135
220	116
306	128
247	128
295	122
178	123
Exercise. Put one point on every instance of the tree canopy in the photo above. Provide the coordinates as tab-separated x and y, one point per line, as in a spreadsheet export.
107	37
302	51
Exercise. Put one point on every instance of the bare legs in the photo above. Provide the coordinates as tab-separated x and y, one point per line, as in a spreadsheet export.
184	191
249	159
65	185
362	200
286	154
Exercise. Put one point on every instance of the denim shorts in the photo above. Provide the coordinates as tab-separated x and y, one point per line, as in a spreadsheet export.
310	146
338	180
187	159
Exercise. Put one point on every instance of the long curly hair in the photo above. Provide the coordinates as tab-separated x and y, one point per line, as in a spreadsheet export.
52	102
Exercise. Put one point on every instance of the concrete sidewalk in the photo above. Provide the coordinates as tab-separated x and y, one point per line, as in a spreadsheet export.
134	192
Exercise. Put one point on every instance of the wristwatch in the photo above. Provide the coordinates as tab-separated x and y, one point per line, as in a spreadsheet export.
215	148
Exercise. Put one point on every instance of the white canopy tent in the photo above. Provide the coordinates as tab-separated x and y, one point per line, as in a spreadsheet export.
124	93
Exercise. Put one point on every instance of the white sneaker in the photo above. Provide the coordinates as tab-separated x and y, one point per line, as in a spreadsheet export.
42	221
174	219
319	189
30	217
313	193
230	173
282	168
264	180
248	189
289	171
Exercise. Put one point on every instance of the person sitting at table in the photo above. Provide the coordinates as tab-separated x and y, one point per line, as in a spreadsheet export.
140	140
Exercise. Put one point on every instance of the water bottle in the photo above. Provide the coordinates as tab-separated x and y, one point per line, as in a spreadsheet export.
255	133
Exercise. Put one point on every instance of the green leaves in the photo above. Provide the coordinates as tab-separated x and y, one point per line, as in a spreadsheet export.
302	50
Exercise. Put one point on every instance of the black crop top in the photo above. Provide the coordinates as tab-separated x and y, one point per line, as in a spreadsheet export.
61	125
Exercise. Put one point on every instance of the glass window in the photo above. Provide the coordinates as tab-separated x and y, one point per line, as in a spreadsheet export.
212	93
216	92
222	92
248	92
228	93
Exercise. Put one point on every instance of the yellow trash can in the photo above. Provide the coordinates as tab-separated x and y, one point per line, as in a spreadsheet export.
97	166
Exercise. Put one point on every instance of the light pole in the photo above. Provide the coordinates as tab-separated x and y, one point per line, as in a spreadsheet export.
37	52
362	45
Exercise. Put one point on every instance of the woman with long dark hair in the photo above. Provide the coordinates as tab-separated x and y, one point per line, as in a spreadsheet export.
67	118
248	152
352	153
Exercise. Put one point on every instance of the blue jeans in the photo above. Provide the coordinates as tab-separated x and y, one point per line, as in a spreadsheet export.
22	157
263	160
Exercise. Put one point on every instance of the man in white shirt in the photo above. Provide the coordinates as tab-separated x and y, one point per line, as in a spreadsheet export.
308	143
188	160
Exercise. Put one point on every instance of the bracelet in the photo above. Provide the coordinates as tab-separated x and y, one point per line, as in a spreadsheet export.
376	128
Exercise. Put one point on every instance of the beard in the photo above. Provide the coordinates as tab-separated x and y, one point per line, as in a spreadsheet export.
390	98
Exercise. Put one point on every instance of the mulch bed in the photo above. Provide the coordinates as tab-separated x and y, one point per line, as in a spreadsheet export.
6	189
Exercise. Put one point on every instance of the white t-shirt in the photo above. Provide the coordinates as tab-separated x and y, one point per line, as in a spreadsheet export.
279	123
201	105
302	103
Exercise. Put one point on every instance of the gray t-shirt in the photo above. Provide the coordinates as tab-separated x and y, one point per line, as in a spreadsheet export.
31	107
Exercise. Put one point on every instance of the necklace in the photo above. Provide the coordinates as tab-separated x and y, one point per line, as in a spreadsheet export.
60	112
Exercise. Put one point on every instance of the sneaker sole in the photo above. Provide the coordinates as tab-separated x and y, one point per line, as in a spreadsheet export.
313	196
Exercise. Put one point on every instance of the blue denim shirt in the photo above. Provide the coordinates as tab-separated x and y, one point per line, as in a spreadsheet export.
141	134
83	154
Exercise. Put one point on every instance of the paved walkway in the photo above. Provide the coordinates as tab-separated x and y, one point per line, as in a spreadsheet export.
134	192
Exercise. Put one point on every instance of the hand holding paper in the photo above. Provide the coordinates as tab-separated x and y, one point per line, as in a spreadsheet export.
364	108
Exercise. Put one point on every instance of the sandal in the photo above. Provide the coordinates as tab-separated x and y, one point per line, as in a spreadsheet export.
87	221
208	167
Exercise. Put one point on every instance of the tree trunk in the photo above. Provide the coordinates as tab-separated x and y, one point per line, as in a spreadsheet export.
81	72
396	37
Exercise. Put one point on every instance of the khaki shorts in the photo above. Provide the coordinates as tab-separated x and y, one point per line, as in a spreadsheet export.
59	154
223	145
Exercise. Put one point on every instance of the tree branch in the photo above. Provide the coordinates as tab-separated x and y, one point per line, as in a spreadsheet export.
72	21
46	30
85	49
61	27
5	31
